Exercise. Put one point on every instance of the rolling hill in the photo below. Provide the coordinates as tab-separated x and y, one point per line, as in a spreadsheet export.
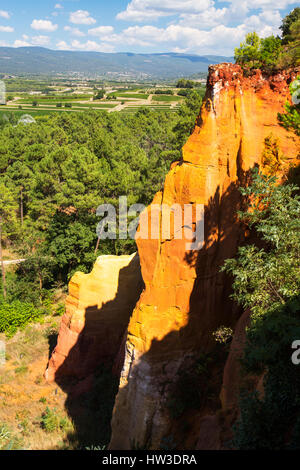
42	61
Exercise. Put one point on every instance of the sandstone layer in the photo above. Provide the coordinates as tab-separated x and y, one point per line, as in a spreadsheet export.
186	297
98	308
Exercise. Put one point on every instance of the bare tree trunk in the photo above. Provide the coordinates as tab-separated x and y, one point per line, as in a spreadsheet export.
2	262
21	205
97	246
41	286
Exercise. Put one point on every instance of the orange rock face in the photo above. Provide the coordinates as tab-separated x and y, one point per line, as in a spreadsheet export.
186	297
97	313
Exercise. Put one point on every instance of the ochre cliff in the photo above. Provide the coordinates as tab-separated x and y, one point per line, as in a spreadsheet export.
159	341
97	314
186	298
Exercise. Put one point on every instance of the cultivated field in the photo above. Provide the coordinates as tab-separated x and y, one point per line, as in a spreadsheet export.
39	99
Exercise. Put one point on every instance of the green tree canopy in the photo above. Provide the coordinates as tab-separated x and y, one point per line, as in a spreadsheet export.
287	23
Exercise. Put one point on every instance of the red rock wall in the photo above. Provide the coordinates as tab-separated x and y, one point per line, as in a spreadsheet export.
98	309
186	297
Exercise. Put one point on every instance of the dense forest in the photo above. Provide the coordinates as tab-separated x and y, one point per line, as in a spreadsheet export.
56	171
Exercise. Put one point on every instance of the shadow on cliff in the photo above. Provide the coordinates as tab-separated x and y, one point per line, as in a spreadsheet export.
209	301
190	409
86	374
196	360
194	390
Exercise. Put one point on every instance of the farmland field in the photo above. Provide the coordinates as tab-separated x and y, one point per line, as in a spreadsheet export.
138	96
41	99
166	98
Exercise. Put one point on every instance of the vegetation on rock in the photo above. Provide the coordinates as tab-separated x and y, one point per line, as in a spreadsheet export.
267	280
272	52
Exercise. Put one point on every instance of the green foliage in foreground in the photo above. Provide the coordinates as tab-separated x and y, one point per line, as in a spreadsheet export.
267	280
291	119
16	315
264	279
51	421
272	422
8	441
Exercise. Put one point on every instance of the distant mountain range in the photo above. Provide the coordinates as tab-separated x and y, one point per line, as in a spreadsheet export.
42	61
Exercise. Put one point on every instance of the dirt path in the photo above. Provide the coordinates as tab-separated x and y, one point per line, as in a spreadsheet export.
13	261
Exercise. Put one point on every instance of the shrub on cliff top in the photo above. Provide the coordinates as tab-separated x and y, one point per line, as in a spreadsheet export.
287	24
272	52
259	53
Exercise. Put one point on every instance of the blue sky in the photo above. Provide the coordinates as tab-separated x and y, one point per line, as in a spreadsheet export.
190	26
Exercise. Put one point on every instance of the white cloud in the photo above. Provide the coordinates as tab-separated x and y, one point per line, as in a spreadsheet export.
6	29
270	4
44	25
198	26
265	24
206	19
4	44
58	6
101	31
199	13
81	17
180	38
92	46
74	31
40	40
20	43
35	41
212	17
62	45
143	10
178	50
143	36
271	17
4	14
